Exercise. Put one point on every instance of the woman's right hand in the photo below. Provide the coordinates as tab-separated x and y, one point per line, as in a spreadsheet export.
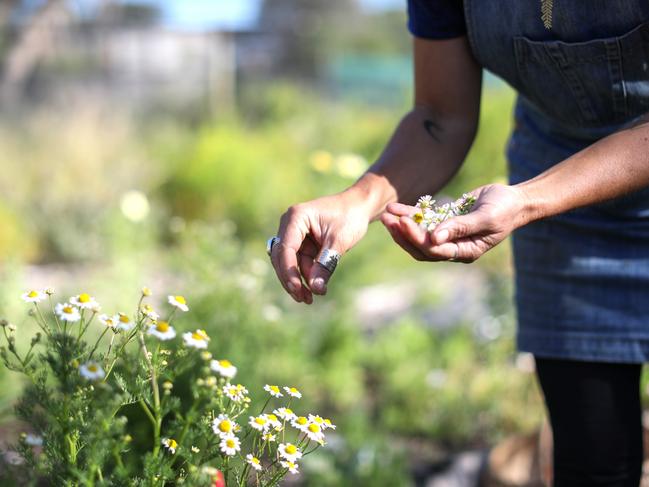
334	222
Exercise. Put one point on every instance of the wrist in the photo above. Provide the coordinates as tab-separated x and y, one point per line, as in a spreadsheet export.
370	195
532	205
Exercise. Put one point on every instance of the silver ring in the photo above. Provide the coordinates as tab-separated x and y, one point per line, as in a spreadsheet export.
329	259
454	258
270	243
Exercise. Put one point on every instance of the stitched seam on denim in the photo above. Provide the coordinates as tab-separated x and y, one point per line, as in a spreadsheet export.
615	70
572	81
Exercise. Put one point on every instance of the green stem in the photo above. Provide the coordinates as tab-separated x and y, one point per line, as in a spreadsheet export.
156	394
97	343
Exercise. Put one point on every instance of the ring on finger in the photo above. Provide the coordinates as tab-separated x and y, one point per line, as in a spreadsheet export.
329	259
454	258
270	243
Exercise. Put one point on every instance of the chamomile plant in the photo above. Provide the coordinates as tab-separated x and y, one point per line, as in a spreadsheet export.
87	372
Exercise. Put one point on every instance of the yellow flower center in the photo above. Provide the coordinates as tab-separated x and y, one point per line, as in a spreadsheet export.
275	389
172	444
418	217
68	310
162	326
314	428
260	421
230	443
255	460
293	390
123	318
291	449
32	294
92	368
302	420
84	298
272	417
199	335
288	411
318	420
180	299
225	363
225	426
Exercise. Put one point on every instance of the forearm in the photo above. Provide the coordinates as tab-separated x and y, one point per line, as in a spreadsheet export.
425	151
612	167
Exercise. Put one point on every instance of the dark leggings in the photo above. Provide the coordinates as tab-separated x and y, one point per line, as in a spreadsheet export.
596	420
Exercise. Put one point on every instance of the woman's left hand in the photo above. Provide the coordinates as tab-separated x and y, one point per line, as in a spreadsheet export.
498	211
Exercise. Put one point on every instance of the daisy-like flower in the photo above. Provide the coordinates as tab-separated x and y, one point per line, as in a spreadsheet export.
319	420
84	301
260	423
292	391
148	311
300	423
34	296
179	302
273	390
235	393
314	432
329	424
253	461
195	449
146	291
162	330
269	437
223	368
425	202
67	312
123	322
170	444
197	339
222	425
230	445
285	413
274	421
106	320
91	371
289	452
292	466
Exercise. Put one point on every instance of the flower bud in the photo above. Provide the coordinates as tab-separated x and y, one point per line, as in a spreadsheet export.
146	291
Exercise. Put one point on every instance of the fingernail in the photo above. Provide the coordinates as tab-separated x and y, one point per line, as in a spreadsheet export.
319	285
442	236
292	288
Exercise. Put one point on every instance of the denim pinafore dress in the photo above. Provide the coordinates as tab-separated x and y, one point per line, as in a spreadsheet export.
582	72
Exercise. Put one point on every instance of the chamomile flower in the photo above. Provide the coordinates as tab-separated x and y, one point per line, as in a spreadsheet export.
273	390
124	323
196	339
425	202
162	330
224	368
285	413
329	424
179	302
84	301
260	423
170	444
253	461
91	371
222	425
274	421
235	393
230	445
269	437
314	432
148	311
314	418
300	423
67	312
34	296
292	466
292	391
108	321
289	452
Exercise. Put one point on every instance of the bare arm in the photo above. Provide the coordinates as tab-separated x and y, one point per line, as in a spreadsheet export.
425	151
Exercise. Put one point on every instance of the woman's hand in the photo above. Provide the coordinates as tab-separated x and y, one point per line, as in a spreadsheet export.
334	222
495	214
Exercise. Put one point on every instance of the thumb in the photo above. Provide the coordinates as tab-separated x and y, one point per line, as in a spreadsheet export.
459	227
320	274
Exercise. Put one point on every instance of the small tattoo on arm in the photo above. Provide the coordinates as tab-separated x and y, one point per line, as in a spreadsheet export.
433	129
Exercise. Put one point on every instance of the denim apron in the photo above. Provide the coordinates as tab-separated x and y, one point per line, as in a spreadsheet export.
582	72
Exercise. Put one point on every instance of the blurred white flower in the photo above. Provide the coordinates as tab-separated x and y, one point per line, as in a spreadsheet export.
67	312
436	378
134	205
270	312
223	368
162	330
33	296
525	362
91	371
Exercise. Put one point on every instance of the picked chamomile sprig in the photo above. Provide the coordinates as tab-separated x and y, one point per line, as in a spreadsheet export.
430	215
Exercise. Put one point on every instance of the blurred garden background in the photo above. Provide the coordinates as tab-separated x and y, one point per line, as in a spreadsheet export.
157	143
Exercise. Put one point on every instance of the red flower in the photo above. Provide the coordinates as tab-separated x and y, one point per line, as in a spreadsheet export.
219	481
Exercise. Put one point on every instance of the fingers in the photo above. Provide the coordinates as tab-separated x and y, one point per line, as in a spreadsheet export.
292	232
421	239
464	226
399	209
391	222
319	276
